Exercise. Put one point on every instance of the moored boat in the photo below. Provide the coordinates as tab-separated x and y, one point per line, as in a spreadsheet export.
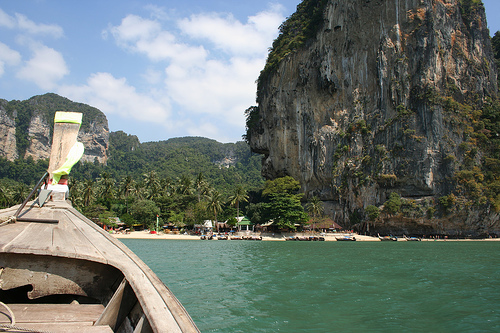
346	239
412	239
60	272
387	238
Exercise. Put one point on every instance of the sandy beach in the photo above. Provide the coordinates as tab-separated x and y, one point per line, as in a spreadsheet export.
147	235
328	237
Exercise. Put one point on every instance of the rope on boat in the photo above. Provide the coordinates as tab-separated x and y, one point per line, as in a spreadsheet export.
11	314
6	220
12	325
6	328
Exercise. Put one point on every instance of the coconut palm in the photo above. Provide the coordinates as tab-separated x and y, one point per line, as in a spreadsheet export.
126	186
239	195
20	193
88	192
200	185
76	193
185	185
315	208
106	188
151	184
4	198
214	204
126	189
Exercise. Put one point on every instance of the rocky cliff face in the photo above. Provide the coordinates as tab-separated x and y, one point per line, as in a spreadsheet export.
380	100
7	133
33	121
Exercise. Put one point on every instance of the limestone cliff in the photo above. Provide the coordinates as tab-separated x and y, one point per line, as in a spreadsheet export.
26	128
7	133
381	97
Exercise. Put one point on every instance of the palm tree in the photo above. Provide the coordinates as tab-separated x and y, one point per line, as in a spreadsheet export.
126	188
88	192
4	198
138	190
185	185
214	204
315	208
200	185
239	195
20	193
166	186
151	184
106	188
76	193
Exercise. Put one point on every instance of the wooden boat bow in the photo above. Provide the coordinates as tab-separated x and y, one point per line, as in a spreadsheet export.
61	272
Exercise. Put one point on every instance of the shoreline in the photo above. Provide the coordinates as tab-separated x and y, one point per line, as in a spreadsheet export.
328	237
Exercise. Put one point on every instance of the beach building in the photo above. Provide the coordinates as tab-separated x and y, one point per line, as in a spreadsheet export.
244	224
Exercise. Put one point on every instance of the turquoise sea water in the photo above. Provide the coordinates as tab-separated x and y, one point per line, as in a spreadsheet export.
252	286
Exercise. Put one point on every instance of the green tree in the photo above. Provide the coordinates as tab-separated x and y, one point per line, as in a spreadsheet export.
20	193
201	186
4	197
126	186
286	210
239	195
315	209
106	186
214	204
281	185
372	212
88	192
393	205
145	211
151	185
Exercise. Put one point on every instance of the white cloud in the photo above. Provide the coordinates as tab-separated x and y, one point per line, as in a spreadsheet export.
45	68
211	63
134	28
23	24
8	57
116	96
6	20
232	36
33	28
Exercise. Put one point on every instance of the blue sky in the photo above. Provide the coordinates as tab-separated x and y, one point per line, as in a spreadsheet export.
157	69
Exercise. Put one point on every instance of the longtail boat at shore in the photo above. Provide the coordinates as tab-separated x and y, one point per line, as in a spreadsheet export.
60	272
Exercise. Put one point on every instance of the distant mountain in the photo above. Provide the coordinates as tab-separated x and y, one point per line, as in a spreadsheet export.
26	127
26	135
222	164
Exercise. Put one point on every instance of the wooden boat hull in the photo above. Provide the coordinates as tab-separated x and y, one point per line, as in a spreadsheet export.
345	239
92	281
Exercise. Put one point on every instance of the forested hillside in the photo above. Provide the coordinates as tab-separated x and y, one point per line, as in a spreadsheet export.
222	165
175	179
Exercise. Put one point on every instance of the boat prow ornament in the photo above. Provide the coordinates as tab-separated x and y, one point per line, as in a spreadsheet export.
66	152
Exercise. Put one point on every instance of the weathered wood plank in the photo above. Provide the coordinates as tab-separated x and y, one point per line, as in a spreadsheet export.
67	238
53	313
118	307
9	232
35	238
64	327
